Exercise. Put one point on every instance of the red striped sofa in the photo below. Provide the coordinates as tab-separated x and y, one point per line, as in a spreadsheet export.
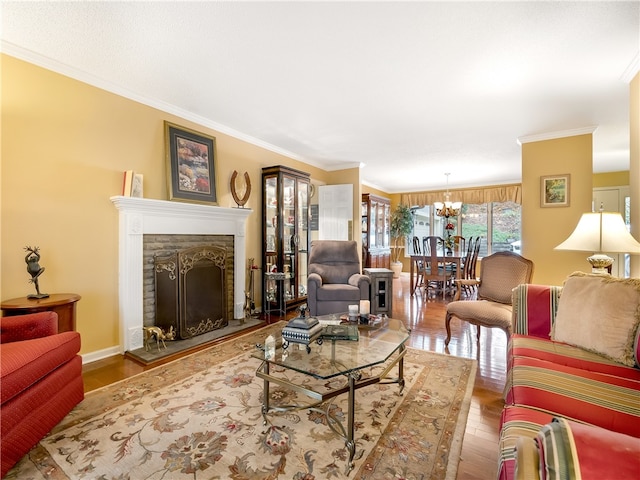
570	412
40	381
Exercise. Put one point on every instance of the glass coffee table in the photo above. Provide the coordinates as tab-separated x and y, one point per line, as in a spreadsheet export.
382	344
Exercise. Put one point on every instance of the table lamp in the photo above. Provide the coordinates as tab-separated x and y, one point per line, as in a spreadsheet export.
601	232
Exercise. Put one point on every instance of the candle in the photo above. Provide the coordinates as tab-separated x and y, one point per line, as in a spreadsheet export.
364	307
353	313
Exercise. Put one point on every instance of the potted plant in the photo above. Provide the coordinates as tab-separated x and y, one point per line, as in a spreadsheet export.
400	227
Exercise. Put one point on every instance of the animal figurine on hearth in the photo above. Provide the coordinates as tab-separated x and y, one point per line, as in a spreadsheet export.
149	333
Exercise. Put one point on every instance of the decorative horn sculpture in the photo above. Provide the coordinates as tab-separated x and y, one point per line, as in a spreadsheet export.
247	192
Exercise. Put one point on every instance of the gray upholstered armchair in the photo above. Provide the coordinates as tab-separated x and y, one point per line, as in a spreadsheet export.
335	281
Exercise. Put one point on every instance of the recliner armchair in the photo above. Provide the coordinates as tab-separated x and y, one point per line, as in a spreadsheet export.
335	281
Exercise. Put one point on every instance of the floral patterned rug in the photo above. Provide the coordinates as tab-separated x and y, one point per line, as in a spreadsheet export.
199	417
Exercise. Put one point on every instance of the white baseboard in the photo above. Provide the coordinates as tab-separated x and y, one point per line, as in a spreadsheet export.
100	354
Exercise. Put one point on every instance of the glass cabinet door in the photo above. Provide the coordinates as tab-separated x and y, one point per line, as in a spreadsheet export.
285	237
386	240
365	225
375	231
288	236
271	208
372	225
302	237
380	226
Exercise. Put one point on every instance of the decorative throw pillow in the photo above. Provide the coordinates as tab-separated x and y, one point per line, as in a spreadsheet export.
599	313
570	450
556	452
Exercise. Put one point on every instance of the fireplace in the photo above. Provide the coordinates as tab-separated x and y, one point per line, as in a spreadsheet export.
139	217
190	290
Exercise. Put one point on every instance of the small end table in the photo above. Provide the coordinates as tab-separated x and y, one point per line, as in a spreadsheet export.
381	292
64	304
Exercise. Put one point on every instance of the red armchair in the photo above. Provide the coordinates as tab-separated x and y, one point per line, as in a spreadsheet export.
40	381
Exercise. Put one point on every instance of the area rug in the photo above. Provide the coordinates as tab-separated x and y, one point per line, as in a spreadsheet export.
200	417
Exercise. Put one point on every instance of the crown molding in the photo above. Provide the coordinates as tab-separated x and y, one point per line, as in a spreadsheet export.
47	63
633	68
559	134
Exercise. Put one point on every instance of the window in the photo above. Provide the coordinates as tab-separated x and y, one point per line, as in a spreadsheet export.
475	224
505	231
498	221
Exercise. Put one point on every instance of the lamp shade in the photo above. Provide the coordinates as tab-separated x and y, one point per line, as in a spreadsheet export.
601	232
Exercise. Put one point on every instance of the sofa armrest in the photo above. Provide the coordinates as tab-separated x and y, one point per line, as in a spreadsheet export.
534	309
314	282
27	327
363	282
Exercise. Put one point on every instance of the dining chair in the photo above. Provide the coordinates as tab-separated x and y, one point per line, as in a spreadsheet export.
459	246
469	264
436	274
499	275
466	260
419	263
474	258
460	243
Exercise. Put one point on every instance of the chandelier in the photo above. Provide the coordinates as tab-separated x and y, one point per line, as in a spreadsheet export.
448	208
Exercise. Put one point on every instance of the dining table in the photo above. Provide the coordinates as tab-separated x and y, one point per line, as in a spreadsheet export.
455	257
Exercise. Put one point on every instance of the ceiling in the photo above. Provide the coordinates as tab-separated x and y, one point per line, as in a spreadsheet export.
408	90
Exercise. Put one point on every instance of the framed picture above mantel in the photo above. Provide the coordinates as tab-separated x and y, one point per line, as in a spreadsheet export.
191	165
555	190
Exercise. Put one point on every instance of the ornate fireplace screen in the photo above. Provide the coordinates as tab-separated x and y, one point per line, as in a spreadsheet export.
191	290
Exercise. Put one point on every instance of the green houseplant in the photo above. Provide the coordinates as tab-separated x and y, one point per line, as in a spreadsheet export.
401	226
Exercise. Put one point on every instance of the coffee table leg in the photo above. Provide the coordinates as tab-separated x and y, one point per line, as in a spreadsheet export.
265	394
401	370
350	443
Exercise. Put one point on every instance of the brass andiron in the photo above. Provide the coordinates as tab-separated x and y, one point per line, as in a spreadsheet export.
249	293
35	270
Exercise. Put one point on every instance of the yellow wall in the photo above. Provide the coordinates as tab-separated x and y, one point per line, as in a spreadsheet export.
610	179
65	145
545	228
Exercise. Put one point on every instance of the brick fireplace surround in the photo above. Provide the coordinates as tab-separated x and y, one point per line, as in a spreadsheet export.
140	216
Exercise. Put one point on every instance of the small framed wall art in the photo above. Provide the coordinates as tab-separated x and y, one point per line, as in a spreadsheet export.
191	163
555	190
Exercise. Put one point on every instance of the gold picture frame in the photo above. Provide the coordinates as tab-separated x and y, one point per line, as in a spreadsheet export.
191	165
555	190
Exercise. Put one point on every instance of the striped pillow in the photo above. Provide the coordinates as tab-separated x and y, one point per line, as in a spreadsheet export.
556	452
570	450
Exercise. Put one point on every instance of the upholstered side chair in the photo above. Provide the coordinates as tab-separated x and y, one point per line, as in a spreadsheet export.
500	273
335	280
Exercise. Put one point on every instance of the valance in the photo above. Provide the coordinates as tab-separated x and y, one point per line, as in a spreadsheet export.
498	193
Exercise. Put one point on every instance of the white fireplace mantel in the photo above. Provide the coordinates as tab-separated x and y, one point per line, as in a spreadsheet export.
140	216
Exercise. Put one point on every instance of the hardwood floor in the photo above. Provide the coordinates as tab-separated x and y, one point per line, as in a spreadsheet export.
426	319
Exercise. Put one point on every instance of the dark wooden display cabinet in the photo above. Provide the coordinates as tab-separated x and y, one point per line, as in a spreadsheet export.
285	237
376	251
